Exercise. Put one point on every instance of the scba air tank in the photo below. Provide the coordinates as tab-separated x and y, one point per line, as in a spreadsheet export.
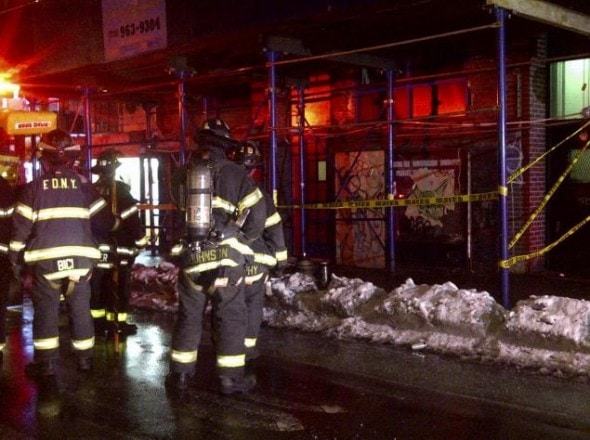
198	203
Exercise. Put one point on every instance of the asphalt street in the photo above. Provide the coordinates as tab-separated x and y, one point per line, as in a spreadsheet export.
309	387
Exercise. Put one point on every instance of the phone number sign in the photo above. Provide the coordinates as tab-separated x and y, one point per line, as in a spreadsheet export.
132	27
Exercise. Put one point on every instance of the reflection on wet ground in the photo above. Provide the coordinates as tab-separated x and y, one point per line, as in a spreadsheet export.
308	388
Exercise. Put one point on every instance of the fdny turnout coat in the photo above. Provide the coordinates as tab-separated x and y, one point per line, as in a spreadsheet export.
52	225
270	251
6	208
234	194
272	241
130	237
213	269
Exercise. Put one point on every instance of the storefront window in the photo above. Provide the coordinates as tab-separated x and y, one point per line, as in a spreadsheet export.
570	91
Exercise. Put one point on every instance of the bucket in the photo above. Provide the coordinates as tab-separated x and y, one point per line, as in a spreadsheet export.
323	275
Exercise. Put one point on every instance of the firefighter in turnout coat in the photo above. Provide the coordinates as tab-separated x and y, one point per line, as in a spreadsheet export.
52	234
270	253
110	295
6	209
212	256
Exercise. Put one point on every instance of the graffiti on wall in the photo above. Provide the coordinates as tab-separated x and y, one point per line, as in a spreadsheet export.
360	232
424	221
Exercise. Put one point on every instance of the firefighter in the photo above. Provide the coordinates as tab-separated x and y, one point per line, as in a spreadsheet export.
52	235
270	253
218	197
6	209
110	284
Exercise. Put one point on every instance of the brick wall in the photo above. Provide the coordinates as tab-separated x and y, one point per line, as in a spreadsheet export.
536	183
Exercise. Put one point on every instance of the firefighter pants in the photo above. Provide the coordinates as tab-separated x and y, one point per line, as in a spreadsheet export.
110	297
46	298
5	278
224	288
254	290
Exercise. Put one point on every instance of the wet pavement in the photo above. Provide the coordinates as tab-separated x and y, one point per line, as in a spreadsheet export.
309	387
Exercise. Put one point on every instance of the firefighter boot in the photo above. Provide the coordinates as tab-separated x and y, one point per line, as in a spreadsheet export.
233	385
250	368
85	364
178	381
40	370
100	327
122	328
127	329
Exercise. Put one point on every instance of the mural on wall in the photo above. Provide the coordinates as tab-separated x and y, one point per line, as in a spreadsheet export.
360	232
427	178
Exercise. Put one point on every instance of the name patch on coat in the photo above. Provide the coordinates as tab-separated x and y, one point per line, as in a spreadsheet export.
206	256
59	183
65	264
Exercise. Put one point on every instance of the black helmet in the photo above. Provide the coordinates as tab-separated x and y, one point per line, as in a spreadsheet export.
214	134
216	127
107	162
248	154
56	148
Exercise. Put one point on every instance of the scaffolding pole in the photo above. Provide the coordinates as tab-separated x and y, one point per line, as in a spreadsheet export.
302	176
272	111
88	132
502	180
390	176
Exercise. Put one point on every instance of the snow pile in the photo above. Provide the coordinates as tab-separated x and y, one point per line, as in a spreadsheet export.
547	333
441	317
551	321
345	296
445	307
292	301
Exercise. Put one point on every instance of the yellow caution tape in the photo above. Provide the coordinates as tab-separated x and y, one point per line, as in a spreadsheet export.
545	199
520	171
505	264
386	203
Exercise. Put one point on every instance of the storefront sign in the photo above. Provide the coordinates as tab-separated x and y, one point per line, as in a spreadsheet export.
132	27
27	123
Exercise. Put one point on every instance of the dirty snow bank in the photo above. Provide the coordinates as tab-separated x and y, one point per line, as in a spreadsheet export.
545	333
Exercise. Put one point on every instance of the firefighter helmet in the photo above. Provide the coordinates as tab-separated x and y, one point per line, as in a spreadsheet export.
214	134
248	154
56	148
107	162
216	127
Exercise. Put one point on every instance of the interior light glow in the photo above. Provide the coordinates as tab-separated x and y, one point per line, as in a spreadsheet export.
7	87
